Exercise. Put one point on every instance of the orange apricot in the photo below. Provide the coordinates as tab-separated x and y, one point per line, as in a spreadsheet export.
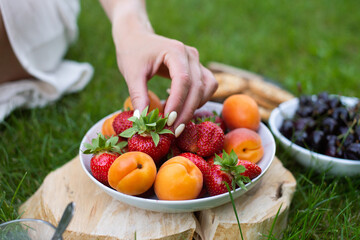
246	144
154	103
241	111
107	129
132	173
178	179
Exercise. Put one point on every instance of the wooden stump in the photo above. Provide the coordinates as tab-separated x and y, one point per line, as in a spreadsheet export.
256	209
99	216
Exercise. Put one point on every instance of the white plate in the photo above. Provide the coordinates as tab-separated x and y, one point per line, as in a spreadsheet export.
153	203
319	162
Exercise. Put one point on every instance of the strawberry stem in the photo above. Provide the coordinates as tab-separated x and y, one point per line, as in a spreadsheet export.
101	144
151	124
229	164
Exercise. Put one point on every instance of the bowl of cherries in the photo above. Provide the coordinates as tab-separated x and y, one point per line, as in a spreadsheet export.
321	131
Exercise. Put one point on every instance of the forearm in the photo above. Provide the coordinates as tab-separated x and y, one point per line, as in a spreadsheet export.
126	16
141	54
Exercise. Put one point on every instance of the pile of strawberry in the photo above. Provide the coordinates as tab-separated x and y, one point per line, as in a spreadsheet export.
201	142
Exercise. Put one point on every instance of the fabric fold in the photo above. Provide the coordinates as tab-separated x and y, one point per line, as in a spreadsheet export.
40	33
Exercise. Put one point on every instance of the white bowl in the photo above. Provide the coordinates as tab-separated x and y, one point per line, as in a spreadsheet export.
319	162
27	229
153	203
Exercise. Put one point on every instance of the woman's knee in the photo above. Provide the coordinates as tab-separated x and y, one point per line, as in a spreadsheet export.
10	67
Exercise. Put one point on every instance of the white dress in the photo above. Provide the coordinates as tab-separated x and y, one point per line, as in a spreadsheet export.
40	32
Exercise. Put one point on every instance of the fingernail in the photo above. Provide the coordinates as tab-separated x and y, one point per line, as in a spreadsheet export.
179	130
137	113
171	119
168	91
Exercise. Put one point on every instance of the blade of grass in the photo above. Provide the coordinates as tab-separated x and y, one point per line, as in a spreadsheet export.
234	207
17	189
273	223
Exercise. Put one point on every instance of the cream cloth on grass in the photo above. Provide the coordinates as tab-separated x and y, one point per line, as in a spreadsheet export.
40	32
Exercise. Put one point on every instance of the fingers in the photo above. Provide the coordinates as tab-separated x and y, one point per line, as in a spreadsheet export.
196	88
210	85
192	84
179	72
138	91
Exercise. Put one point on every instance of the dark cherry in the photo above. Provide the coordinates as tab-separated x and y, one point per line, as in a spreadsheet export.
331	140
305	100
287	128
356	116
320	108
348	140
304	124
331	151
316	139
331	145
323	96
353	151
329	125
334	102
339	153
325	125
357	132
343	130
304	111
340	114
300	138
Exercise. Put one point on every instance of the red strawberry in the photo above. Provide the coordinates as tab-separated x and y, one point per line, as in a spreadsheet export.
211	139
214	181
187	141
198	161
121	122
210	160
220	121
252	170
204	139
100	164
203	192
225	168
174	150
147	145
149	135
104	151
203	116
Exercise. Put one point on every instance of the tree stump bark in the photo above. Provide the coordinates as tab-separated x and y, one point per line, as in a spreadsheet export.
99	216
256	209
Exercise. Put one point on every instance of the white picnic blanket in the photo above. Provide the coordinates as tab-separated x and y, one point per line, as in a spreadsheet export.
40	32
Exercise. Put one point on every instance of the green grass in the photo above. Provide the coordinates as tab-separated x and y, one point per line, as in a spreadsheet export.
312	44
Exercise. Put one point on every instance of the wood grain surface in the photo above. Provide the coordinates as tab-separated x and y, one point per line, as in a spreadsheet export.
99	216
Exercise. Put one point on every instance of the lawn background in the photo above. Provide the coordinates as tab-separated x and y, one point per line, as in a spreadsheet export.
312	44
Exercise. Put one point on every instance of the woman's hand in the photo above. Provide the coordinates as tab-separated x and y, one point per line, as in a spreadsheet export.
141	54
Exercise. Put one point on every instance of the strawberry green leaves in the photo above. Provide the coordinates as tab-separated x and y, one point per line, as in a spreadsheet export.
101	144
229	164
151	124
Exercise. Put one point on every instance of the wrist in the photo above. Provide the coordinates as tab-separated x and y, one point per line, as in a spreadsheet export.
128	27
130	16
126	23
